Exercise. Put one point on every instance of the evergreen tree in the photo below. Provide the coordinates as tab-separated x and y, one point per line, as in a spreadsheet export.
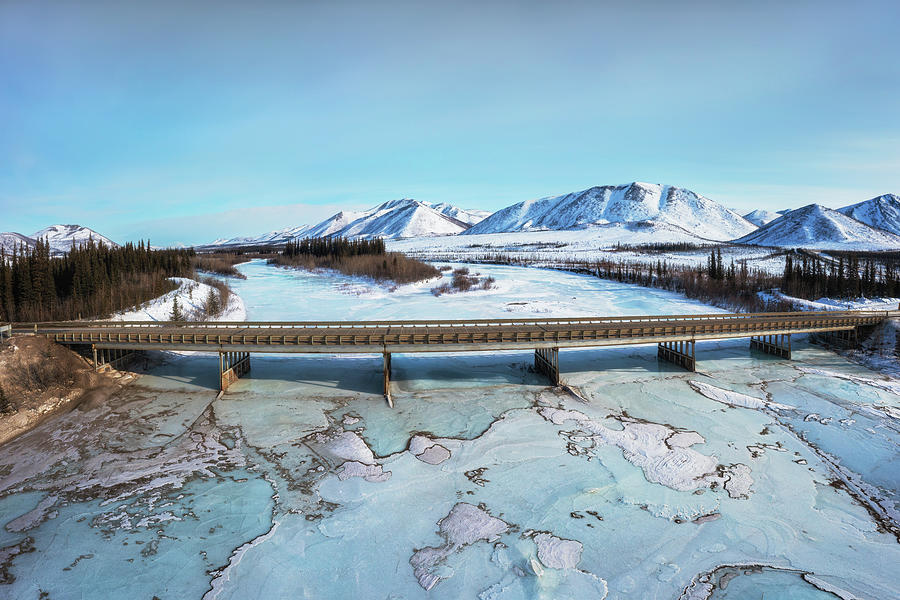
212	305
176	314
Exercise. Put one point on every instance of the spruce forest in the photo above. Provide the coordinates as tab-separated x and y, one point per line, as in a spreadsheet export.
92	280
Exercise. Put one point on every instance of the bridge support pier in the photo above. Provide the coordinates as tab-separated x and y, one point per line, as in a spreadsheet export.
232	365
111	358
546	361
777	345
387	380
846	338
679	353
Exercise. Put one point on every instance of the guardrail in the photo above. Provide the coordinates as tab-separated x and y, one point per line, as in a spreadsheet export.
5	330
385	324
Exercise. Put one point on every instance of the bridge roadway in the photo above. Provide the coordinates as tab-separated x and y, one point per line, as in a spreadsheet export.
675	334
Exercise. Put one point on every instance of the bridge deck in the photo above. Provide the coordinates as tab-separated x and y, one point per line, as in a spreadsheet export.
444	335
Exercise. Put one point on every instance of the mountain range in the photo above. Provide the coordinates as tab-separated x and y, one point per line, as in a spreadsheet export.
404	218
676	213
600	211
60	237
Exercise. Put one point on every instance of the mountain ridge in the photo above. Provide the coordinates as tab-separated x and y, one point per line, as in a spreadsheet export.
816	226
627	203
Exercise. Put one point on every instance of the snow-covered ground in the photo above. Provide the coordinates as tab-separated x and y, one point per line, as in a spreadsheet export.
585	245
191	296
755	473
834	303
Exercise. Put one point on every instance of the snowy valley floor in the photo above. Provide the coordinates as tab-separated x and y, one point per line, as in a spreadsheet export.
754	473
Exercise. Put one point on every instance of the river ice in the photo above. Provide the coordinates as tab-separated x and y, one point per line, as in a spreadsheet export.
753	474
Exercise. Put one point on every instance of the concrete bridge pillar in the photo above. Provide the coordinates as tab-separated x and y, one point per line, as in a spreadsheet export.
681	353
546	361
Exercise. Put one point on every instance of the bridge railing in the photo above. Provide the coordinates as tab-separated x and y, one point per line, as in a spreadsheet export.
384	324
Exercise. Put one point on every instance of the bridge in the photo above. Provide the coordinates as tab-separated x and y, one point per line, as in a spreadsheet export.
676	335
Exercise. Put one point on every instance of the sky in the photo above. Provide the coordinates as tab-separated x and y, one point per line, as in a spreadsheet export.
184	121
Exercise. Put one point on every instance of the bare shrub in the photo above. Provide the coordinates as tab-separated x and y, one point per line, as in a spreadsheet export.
462	281
6	405
220	263
41	374
442	289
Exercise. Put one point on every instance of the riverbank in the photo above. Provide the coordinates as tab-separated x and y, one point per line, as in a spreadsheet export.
191	297
41	379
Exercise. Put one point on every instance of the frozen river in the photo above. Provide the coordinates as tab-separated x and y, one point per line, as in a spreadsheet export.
753	476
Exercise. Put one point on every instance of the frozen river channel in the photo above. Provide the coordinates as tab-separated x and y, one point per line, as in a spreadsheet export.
755	477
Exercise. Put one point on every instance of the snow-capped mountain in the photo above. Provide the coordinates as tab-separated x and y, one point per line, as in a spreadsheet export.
62	237
882	212
273	237
11	241
760	217
816	226
394	219
629	203
334	224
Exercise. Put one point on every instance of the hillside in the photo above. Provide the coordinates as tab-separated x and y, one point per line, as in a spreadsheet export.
882	212
629	203
61	237
816	226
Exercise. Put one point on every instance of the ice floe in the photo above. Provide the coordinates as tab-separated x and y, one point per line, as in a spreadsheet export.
428	450
557	553
650	446
464	525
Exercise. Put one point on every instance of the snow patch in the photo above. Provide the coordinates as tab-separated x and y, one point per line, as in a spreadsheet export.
732	398
191	296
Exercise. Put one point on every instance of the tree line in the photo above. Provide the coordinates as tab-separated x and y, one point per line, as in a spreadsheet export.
847	276
334	247
90	280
